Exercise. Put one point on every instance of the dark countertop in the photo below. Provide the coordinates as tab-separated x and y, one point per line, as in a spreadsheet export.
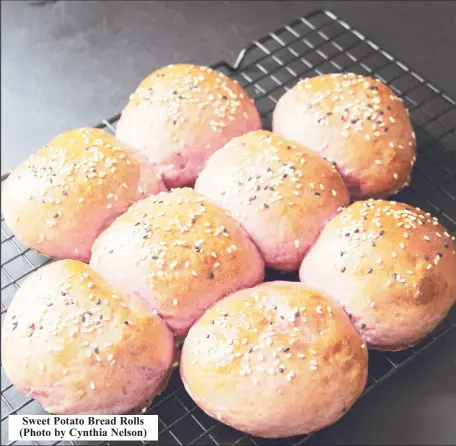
71	64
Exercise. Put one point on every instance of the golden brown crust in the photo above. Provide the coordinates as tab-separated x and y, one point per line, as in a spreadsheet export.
180	253
392	267
281	192
61	197
181	114
79	347
357	122
259	352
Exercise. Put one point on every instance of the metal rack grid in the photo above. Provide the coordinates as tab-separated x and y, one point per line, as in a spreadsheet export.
315	44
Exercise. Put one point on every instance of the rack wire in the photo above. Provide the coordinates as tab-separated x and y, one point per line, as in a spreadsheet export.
315	44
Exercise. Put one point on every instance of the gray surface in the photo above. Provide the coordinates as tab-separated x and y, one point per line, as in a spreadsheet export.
70	64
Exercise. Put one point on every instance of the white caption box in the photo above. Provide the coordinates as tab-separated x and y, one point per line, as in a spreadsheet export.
83	427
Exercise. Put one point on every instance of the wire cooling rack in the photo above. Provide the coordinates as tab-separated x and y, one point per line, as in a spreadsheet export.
315	44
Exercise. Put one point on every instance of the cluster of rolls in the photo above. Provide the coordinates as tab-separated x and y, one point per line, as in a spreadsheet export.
95	332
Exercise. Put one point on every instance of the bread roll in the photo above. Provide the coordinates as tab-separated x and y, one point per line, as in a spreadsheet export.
79	347
356	122
181	114
274	361
59	199
391	266
179	253
281	192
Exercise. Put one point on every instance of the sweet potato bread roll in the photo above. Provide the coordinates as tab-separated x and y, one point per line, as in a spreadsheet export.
181	114
78	346
391	266
59	199
355	121
275	360
179	253
282	193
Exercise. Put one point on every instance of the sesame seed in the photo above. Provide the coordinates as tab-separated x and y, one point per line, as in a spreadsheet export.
92	385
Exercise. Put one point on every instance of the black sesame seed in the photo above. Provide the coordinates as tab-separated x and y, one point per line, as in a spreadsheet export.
49	304
269	169
356	231
14	325
98	301
258	176
328	113
281	317
446	244
284	175
208	336
197	248
154	256
381	232
30	333
137	223
225	314
63	293
126	322
110	251
286	349
253	197
394	276
343	269
274	307
350	316
266	206
55	215
211	275
344	410
212	322
440	254
363	326
347	234
372	243
288	147
317	194
223	192
342	253
250	350
296	314
280	370
426	257
96	350
369	270
64	192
